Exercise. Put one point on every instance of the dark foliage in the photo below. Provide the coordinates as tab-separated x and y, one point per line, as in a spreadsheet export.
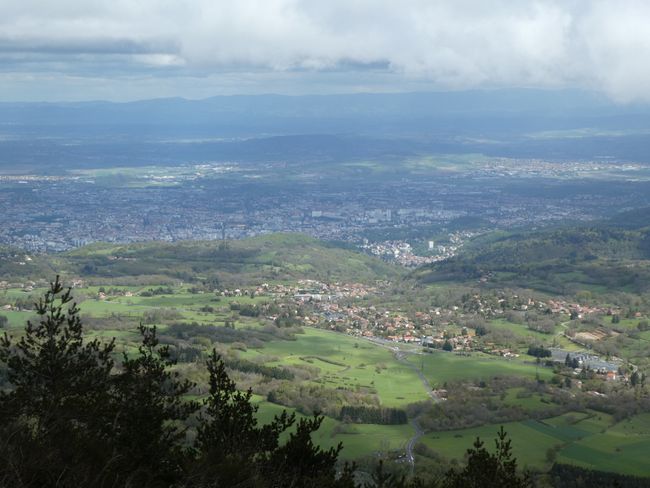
566	476
489	470
539	352
373	415
267	371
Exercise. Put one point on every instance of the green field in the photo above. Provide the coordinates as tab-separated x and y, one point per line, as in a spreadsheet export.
349	362
622	448
529	444
589	440
440	367
358	439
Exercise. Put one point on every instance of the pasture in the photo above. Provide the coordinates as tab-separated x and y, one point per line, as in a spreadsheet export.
587	439
440	367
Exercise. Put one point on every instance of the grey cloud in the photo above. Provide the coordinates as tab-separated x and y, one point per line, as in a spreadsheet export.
87	46
601	44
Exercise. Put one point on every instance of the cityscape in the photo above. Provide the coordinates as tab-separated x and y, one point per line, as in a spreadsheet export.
408	216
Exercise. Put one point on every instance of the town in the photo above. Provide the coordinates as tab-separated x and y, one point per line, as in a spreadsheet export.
411	218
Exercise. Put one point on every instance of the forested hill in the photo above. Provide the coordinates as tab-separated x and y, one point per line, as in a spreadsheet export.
272	257
602	257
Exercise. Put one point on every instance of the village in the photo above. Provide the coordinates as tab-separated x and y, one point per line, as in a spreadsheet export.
358	310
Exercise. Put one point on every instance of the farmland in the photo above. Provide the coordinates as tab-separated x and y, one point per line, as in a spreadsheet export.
333	328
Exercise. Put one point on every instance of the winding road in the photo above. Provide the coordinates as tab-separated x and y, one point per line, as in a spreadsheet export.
410	445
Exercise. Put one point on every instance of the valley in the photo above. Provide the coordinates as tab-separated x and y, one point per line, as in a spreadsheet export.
400	365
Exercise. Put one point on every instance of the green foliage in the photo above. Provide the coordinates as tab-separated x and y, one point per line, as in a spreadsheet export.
148	432
73	418
539	352
489	470
47	360
559	261
566	476
373	415
212	264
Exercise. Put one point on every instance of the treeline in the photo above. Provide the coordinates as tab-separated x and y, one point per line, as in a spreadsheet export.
539	352
310	398
567	476
473	405
373	415
267	371
246	309
189	331
152	292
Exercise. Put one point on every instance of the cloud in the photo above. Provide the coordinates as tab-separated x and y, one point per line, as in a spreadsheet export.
442	44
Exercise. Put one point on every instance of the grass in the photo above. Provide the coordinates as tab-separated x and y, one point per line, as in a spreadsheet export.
622	448
521	330
358	439
350	362
587	439
440	367
17	320
529	401
529	444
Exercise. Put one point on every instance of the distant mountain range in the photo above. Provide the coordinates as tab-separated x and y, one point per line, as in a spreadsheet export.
514	123
462	111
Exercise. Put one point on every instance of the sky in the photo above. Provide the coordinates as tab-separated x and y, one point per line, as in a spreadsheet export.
133	49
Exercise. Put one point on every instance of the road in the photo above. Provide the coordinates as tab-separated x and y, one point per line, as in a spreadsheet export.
401	355
410	457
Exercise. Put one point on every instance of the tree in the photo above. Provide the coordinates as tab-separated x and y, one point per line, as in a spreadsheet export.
489	470
149	405
228	434
380	478
447	346
71	418
57	412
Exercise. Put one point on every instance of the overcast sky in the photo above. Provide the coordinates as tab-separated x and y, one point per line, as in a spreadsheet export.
133	49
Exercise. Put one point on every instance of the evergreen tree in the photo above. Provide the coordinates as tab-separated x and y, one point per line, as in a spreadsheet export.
149	410
56	416
489	470
229	440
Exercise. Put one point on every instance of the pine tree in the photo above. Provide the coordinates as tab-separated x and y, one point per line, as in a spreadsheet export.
149	410
489	470
56	415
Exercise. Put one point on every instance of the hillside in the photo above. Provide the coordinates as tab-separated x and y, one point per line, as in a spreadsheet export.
597	258
273	257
